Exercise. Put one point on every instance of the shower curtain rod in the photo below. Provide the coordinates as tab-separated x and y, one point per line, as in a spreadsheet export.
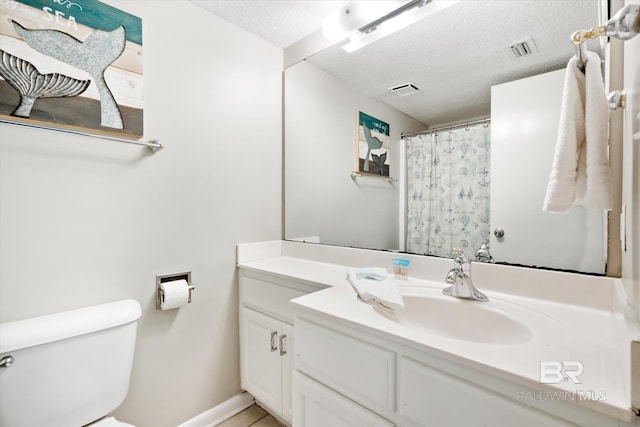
449	127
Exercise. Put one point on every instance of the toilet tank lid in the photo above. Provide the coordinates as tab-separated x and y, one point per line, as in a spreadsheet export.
67	324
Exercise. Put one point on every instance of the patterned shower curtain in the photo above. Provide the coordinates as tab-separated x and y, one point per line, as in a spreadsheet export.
448	191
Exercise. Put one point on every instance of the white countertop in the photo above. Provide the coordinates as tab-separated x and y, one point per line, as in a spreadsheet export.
560	332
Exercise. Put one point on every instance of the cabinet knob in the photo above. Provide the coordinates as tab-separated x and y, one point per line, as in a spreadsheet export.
499	233
6	361
273	341
283	351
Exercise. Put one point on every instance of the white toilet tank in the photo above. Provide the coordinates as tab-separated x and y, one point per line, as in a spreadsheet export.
70	368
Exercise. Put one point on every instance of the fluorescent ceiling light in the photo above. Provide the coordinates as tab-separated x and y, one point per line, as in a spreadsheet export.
354	15
397	19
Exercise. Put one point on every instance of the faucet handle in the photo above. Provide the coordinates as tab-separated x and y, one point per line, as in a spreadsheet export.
459	258
483	254
458	262
451	276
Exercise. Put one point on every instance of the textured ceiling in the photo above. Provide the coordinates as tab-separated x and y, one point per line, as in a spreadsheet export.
454	56
457	54
280	22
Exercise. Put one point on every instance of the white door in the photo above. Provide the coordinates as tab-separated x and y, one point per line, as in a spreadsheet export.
261	360
524	126
631	168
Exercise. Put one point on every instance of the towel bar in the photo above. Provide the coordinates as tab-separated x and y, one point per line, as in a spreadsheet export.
152	144
355	175
624	25
617	99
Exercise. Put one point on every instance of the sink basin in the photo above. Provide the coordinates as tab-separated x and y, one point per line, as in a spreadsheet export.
483	322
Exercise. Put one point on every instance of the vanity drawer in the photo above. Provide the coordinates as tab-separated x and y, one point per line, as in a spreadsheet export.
426	394
362	371
317	405
269	297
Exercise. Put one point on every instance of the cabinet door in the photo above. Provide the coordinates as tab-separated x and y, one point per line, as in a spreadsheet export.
429	397
288	346
319	406
260	357
363	371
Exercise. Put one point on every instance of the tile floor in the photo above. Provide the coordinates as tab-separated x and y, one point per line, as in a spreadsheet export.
253	416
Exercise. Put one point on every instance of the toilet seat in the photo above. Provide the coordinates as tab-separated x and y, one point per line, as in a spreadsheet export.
109	422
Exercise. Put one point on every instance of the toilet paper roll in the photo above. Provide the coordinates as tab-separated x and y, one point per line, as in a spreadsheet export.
176	294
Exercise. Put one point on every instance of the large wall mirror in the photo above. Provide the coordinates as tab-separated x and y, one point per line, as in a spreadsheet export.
489	76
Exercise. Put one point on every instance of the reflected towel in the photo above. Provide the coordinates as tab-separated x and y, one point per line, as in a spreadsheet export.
580	172
376	288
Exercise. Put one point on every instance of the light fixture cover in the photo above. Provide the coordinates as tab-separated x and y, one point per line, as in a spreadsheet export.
353	15
389	26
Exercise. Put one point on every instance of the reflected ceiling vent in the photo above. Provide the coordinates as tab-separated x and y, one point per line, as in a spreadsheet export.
522	48
404	89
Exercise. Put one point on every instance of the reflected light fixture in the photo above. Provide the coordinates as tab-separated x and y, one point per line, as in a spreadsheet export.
365	28
354	15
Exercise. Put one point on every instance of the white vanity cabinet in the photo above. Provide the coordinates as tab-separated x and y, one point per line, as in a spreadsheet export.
267	338
345	374
352	367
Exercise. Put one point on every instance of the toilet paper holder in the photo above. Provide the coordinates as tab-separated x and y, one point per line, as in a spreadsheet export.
162	278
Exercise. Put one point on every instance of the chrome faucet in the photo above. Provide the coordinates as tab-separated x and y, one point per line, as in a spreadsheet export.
460	279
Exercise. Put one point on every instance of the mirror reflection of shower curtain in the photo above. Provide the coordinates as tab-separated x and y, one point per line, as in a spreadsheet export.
448	191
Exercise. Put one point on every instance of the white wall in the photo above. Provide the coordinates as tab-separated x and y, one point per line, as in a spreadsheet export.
85	221
320	130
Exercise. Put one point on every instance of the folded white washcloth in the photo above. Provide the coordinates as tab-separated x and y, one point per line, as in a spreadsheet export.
596	191
580	172
376	288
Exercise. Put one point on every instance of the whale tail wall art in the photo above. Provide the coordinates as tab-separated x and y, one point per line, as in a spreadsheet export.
32	85
373	143
71	64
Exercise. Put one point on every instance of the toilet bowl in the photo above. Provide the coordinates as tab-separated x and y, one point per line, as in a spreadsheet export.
69	368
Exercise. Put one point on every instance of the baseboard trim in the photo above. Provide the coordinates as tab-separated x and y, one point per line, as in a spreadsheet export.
216	415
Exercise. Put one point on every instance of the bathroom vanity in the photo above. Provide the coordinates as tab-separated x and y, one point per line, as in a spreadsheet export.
548	349
267	337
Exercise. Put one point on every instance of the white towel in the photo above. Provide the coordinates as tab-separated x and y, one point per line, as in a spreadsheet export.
376	288
580	172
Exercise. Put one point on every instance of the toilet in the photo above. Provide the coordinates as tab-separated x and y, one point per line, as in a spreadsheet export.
68	369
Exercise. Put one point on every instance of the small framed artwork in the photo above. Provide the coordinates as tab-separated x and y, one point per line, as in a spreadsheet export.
71	65
373	143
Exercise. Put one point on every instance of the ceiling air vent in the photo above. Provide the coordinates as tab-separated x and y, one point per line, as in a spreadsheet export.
404	89
522	48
